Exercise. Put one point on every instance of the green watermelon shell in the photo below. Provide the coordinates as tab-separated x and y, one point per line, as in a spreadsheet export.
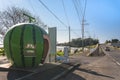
25	45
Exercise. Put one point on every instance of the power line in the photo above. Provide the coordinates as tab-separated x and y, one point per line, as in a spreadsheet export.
32	6
84	8
74	32
76	10
65	13
80	6
53	13
70	30
83	16
78	14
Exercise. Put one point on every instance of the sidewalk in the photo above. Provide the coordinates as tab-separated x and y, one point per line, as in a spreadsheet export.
48	71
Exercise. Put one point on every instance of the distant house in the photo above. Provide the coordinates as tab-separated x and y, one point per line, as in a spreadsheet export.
115	44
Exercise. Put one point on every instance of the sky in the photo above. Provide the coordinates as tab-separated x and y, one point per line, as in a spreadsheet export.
102	17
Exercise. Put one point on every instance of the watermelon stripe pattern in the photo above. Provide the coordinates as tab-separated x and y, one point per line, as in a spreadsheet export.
34	42
11	53
24	45
21	45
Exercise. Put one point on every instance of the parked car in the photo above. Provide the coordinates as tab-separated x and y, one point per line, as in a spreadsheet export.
107	49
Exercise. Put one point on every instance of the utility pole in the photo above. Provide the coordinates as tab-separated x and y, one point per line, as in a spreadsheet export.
69	39
83	17
83	34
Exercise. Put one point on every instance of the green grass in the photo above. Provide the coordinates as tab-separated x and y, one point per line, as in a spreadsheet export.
60	53
1	51
92	46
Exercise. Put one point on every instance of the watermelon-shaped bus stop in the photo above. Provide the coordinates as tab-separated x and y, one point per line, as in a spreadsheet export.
26	45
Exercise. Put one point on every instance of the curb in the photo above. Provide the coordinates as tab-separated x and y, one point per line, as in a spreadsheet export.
65	72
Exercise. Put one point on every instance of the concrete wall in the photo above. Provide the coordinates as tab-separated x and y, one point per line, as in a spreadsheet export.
97	51
115	44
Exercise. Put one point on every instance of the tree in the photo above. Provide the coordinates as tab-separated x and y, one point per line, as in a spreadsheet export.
107	41
15	15
115	40
78	42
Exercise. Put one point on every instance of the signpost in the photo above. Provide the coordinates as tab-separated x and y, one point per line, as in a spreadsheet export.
66	54
52	37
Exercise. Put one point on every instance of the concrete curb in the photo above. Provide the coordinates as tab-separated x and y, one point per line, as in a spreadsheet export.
94	50
65	72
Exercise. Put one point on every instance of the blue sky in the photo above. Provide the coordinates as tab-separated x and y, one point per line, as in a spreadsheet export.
103	17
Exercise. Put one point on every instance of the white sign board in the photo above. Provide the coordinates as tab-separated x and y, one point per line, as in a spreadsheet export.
66	54
52	36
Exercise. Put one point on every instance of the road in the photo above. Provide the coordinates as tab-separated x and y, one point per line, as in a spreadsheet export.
115	55
96	68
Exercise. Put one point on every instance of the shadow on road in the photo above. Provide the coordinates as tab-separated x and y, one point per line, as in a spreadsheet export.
72	76
13	74
43	72
94	73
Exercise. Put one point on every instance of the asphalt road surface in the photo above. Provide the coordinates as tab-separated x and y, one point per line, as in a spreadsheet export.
115	54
